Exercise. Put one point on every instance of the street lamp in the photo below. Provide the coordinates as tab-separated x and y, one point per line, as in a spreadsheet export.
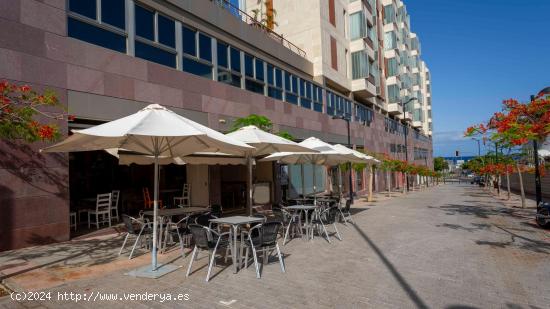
478	146
406	132
347	120
538	193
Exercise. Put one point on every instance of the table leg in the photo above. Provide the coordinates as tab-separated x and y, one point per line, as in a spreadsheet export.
307	225
234	253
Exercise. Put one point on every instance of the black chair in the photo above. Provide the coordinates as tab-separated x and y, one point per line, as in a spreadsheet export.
137	228
263	238
216	210
204	219
327	217
208	240
178	229
345	213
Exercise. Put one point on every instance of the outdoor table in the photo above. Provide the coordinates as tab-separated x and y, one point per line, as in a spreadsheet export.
235	222
306	209
301	199
163	213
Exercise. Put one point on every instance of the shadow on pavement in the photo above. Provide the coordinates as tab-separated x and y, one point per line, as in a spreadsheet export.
415	298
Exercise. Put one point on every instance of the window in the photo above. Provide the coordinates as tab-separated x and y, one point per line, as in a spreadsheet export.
83	23
357	25
274	82
197	62
363	114
393	67
317	99
389	14
390	40
291	88
226	73
305	94
155	37
337	105
393	93
254	74
359	65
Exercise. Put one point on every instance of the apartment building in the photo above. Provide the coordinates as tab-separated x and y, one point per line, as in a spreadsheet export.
206	60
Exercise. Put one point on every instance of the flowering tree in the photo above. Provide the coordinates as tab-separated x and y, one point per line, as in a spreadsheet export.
21	109
517	124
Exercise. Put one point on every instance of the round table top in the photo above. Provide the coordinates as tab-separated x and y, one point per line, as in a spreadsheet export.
301	207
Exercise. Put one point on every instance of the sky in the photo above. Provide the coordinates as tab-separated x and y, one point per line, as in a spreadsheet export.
479	53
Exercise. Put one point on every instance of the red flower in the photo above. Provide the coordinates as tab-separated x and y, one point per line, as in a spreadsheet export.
24	88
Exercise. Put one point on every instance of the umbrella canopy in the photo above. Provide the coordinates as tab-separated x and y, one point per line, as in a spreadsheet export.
154	131
206	158
367	158
265	142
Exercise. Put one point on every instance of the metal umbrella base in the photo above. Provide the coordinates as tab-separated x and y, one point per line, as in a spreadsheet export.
148	272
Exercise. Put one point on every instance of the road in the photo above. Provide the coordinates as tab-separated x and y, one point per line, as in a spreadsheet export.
452	246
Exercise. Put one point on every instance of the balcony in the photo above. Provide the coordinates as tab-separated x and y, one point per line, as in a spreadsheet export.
364	87
406	116
244	17
417	124
395	109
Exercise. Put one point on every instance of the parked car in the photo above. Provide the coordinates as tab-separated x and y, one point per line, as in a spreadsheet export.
471	176
543	214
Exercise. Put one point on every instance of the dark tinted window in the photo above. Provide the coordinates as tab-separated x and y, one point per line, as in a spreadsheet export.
95	35
248	65
275	93
167	31
154	54
205	47
259	69
228	78
235	60
254	86
318	107
83	7
113	13
278	77
287	81
194	67
294	84
290	98
145	23
222	55
270	74
306	103
189	41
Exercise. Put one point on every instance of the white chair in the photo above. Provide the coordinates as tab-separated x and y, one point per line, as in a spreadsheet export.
114	204
102	210
185	199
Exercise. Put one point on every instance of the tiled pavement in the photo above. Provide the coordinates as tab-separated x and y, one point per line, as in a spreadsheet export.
452	246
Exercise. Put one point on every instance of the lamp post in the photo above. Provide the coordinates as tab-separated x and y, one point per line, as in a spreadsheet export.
406	132
347	120
538	193
478	146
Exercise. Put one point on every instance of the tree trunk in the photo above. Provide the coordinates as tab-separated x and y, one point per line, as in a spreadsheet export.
371	176
498	184
404	177
521	186
508	184
388	183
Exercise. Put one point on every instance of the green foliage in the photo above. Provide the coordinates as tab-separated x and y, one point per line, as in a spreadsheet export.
260	121
440	164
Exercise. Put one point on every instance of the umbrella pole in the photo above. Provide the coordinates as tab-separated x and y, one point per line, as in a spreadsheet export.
303	181
155	208
314	186
340	181
249	180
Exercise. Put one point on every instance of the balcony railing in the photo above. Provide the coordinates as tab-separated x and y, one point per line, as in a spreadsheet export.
244	17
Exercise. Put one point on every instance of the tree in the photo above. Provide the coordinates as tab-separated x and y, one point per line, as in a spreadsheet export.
267	18
260	121
23	111
440	164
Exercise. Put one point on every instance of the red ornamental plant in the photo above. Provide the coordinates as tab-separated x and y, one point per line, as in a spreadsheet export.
20	109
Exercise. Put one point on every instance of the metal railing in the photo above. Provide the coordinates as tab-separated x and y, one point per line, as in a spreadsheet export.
244	17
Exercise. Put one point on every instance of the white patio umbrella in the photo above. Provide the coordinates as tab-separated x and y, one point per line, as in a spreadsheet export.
154	131
326	155
198	158
264	143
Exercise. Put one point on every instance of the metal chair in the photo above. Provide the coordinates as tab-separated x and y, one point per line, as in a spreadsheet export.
327	217
138	228
180	230
292	220
114	204
208	240
102	210
344	209
262	238
185	199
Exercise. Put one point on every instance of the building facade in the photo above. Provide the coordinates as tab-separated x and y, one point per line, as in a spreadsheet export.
203	59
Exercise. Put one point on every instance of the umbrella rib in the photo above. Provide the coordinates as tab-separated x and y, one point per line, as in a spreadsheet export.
138	142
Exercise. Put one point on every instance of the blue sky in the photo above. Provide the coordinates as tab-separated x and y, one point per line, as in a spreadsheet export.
479	52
